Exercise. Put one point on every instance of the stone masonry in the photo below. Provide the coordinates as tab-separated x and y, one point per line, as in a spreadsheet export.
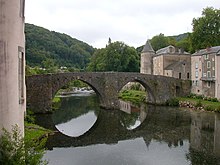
41	89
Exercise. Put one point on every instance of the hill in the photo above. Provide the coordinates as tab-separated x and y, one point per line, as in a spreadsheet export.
44	47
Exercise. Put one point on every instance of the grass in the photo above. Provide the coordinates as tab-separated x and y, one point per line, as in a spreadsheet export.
35	132
208	105
134	96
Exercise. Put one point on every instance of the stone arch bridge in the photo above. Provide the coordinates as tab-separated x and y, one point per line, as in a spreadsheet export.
41	89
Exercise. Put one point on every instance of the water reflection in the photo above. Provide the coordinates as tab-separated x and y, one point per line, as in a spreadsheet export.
136	115
164	135
76	114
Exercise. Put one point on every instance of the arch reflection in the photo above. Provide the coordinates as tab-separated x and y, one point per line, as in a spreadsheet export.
76	114
136	115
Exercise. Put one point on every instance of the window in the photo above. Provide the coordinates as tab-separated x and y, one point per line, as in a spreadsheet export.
208	84
196	65
21	74
197	74
179	75
196	82
208	74
188	75
206	57
208	64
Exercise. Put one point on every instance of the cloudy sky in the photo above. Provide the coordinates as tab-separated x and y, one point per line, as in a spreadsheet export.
130	21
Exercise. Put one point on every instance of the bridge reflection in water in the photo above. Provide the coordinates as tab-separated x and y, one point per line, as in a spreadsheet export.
195	132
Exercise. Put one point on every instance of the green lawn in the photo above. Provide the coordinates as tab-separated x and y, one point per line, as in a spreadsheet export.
208	105
133	96
33	131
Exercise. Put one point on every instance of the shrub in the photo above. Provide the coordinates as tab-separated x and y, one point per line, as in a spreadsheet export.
198	104
218	109
29	117
209	108
15	150
172	102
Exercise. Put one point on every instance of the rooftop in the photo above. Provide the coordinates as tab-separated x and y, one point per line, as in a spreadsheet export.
171	50
147	47
215	49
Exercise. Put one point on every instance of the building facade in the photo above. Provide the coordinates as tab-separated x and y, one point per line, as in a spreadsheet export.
206	72
172	62
168	61
12	64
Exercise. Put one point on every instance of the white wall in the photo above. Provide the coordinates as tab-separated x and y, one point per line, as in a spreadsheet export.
217	76
11	37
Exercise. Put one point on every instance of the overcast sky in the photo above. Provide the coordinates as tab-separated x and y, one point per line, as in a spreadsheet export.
130	21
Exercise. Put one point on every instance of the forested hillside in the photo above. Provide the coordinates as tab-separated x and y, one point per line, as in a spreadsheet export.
48	49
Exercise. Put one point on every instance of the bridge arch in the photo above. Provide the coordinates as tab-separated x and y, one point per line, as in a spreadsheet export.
80	79
150	93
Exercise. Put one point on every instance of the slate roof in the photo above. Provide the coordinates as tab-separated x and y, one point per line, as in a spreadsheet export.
166	50
215	49
147	47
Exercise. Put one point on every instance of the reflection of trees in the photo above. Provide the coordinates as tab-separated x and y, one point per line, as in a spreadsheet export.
202	158
129	120
160	124
73	107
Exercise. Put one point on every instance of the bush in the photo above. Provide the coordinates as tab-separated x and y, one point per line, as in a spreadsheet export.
15	150
218	109
198	104
29	117
209	108
172	102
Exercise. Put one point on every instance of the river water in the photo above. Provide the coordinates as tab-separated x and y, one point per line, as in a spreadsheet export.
148	135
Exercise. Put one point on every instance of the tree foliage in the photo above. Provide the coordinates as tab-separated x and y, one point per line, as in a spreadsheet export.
116	56
159	41
206	29
44	46
15	150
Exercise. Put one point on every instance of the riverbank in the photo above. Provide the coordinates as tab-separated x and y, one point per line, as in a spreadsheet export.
35	132
193	102
134	96
199	104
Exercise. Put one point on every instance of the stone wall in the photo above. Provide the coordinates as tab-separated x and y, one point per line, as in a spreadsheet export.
42	88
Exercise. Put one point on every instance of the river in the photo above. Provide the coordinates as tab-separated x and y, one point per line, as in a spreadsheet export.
148	135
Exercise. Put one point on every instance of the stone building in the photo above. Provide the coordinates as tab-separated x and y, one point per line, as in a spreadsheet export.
172	62
12	64
147	59
206	72
168	61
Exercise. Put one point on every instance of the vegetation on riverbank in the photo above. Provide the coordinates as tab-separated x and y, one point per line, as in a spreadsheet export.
134	96
19	150
192	101
200	104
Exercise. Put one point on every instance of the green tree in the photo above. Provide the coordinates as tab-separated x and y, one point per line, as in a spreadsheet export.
206	29
184	43
116	56
159	41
